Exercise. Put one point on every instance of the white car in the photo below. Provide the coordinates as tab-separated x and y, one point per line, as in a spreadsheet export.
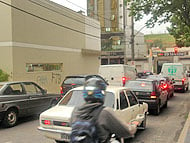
55	122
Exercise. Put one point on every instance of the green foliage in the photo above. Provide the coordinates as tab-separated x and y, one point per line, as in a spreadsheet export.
160	40
161	11
3	76
175	11
180	31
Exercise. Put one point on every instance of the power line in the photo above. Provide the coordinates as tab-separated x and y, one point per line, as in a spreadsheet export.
62	14
52	22
94	13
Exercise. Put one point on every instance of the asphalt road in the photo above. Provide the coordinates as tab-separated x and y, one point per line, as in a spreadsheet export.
164	128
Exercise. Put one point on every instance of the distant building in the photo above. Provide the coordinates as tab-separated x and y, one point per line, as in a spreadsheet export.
42	41
116	31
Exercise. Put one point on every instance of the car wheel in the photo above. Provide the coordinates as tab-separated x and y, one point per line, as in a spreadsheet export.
10	118
166	104
143	124
157	110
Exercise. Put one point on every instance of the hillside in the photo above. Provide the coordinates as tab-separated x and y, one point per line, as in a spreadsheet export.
160	40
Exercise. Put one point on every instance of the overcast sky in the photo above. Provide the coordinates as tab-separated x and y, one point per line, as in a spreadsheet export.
78	5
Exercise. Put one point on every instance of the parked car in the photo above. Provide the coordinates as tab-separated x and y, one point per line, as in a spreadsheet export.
73	81
18	99
144	74
149	91
55	122
178	73
165	83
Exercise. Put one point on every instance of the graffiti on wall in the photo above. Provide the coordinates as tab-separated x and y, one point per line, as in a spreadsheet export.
56	78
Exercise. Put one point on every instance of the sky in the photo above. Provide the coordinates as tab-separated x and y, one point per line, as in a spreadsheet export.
78	5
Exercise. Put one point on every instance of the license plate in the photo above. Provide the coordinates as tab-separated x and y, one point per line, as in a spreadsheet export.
65	137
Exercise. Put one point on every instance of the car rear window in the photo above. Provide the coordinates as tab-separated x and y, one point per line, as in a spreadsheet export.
77	80
140	85
75	98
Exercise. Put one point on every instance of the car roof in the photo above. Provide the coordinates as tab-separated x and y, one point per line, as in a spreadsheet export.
81	76
12	82
109	88
144	79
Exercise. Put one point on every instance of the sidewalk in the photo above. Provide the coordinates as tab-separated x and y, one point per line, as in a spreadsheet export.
185	133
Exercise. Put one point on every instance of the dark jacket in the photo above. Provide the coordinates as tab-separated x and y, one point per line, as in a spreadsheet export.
107	122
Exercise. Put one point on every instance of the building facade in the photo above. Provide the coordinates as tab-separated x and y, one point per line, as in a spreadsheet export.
42	41
116	29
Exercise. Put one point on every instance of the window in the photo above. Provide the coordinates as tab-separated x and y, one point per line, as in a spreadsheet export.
123	101
14	89
132	99
31	88
43	67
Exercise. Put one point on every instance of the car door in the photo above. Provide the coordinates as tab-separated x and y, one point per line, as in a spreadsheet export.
37	101
134	105
123	110
14	95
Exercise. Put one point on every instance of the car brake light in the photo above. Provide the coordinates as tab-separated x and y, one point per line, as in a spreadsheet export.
183	80
46	122
165	86
73	84
61	90
143	84
124	80
153	95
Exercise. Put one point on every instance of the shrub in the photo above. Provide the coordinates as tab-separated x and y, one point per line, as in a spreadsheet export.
3	76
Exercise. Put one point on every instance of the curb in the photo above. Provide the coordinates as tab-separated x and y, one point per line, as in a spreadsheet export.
185	133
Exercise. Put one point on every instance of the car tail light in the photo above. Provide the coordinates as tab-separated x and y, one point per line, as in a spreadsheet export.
153	95
124	80
61	90
183	80
73	84
46	122
58	123
165	86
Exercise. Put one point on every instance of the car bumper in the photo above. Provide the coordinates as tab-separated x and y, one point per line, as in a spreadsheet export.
179	87
56	134
152	104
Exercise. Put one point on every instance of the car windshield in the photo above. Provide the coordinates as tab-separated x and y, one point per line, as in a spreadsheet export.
74	80
139	85
75	98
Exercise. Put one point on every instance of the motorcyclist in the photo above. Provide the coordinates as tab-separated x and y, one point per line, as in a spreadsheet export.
107	122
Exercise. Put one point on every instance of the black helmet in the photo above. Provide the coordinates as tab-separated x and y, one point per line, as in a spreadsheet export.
94	90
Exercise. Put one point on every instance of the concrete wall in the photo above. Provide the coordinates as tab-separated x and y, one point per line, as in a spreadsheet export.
41	32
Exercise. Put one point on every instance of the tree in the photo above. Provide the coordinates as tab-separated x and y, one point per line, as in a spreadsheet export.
180	31
161	11
3	76
177	12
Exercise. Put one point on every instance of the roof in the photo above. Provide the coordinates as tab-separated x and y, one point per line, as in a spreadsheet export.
109	88
11	82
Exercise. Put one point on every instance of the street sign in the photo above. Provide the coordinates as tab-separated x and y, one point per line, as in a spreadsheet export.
167	54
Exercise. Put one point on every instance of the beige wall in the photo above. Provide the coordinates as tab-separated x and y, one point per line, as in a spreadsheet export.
5	22
39	35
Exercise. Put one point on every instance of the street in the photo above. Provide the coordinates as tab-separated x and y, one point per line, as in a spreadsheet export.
164	128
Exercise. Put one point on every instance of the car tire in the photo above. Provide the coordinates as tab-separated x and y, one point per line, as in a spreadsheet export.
143	124
166	104
157	110
10	118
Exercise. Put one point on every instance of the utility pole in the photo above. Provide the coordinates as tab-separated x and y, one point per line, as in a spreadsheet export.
132	40
124	37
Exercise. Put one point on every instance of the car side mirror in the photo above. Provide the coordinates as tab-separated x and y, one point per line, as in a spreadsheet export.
44	91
